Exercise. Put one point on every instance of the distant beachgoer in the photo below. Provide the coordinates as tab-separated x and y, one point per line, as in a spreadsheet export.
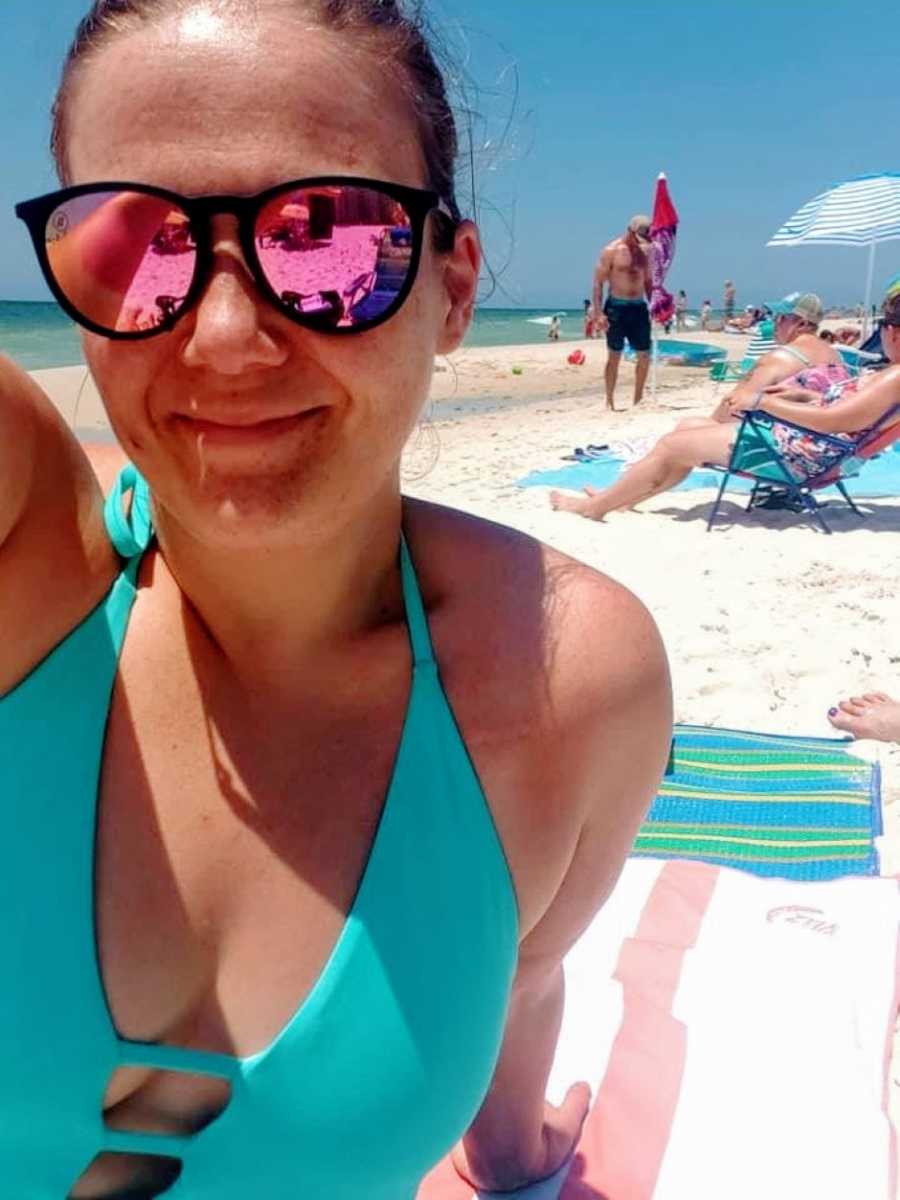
705	314
847	335
826	335
751	316
553	331
822	399
681	307
624	267
590	320
729	297
874	716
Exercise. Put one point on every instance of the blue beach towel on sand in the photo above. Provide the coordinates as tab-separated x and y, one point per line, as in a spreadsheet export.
880	477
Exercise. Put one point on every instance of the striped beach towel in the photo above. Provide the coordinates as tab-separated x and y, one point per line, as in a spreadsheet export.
735	1034
799	808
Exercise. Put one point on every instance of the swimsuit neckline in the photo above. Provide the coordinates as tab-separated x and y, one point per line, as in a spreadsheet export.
162	1056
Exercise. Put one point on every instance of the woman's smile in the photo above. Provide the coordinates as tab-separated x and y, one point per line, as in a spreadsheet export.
243	431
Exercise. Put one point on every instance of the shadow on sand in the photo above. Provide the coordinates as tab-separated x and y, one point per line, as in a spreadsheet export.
880	518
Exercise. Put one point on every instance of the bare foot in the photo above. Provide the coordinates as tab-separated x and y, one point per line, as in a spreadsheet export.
583	505
874	715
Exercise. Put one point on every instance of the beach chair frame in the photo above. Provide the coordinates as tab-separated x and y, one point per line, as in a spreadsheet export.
801	492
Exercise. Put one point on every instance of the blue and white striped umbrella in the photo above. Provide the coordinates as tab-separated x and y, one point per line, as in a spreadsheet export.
856	213
860	212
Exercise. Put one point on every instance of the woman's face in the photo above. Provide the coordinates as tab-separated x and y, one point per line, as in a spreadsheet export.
204	105
787	326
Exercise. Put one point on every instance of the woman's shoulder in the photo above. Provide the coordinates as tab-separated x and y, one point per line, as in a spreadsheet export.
560	687
526	612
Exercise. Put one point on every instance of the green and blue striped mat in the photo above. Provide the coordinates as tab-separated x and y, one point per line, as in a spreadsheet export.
798	808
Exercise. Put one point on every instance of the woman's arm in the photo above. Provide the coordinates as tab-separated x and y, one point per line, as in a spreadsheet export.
18	440
772	368
858	410
612	698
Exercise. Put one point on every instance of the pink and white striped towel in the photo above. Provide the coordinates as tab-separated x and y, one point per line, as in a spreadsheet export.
736	1034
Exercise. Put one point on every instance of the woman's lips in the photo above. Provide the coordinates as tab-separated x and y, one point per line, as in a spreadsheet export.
240	432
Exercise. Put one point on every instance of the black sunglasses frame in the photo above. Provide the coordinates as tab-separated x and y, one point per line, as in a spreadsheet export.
417	203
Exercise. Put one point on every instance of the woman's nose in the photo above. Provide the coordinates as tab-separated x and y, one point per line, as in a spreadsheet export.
231	331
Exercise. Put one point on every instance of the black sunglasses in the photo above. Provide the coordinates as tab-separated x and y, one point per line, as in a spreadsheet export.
334	253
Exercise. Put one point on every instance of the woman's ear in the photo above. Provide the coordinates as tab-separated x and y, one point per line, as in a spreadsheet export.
462	270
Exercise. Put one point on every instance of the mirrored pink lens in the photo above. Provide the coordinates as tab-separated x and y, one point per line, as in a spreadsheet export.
341	255
124	260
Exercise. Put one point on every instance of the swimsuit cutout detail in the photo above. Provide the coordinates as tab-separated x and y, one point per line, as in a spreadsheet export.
384	1065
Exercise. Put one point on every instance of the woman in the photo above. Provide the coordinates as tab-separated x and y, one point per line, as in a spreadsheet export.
847	412
699	440
332	885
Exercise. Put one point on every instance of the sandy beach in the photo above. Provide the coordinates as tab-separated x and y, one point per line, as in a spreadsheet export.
767	621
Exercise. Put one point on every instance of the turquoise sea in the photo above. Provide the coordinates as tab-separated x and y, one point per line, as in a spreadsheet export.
41	335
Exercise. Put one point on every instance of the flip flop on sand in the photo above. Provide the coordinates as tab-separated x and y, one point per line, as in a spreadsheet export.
873	715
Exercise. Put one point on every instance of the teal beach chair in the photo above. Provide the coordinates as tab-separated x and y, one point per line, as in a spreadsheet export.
753	457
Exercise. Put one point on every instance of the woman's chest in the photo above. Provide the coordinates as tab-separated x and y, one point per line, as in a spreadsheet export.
230	842
212	914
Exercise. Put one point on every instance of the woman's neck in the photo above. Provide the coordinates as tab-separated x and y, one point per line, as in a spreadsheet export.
270	611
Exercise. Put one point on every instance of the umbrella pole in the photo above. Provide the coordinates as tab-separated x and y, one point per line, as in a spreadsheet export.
869	284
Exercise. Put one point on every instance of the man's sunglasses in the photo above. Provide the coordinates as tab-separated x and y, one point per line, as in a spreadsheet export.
335	254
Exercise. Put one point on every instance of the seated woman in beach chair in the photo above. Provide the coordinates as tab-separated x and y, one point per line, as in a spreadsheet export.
823	400
795	328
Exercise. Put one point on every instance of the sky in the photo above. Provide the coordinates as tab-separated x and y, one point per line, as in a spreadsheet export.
579	105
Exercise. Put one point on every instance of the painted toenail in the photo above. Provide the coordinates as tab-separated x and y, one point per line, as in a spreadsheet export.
832	712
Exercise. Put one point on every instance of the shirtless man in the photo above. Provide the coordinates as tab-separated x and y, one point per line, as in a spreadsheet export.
624	267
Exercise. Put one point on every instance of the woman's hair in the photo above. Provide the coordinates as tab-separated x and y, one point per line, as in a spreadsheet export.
391	30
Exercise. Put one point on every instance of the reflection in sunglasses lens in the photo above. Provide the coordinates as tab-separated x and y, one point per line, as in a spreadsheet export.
124	260
340	256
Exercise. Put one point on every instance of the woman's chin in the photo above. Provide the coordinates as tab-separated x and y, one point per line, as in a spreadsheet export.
235	512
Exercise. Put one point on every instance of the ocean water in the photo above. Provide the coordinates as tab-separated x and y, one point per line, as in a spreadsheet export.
38	335
41	335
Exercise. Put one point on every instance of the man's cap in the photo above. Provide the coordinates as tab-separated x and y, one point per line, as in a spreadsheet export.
805	305
640	224
893	288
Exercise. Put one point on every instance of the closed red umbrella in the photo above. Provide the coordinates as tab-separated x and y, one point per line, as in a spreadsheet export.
662	234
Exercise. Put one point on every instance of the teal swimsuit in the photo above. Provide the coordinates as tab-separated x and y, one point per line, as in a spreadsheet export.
383	1066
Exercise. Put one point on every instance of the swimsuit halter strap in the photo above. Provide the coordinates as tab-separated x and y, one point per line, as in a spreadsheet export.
417	622
132	534
798	354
